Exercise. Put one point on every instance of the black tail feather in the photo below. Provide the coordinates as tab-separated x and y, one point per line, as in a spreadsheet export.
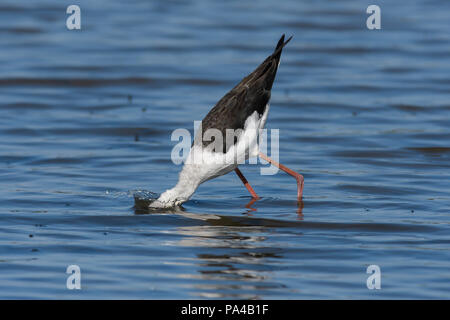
280	45
280	42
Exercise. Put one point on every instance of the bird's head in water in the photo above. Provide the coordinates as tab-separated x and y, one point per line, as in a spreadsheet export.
165	204
170	198
148	202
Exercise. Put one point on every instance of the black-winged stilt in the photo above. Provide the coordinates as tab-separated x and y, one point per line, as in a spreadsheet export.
244	110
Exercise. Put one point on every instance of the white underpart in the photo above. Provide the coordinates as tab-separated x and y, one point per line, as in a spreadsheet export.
202	164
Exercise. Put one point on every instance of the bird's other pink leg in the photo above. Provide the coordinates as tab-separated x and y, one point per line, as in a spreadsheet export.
297	176
246	184
249	205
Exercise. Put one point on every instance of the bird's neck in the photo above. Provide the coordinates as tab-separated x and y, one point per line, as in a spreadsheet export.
182	191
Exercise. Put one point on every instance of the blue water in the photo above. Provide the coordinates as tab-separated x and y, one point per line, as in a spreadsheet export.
85	123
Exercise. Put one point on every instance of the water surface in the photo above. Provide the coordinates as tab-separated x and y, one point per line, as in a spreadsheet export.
86	118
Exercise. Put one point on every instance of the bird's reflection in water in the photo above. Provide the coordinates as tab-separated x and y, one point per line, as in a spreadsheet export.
252	209
232	255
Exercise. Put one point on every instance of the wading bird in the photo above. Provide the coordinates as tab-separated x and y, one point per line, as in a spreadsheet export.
244	109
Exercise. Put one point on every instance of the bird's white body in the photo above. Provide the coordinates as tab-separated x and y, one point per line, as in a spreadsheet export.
203	164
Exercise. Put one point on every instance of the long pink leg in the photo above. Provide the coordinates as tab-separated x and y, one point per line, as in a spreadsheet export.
246	184
297	176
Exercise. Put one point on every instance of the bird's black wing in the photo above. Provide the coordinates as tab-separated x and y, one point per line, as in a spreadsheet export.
250	95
